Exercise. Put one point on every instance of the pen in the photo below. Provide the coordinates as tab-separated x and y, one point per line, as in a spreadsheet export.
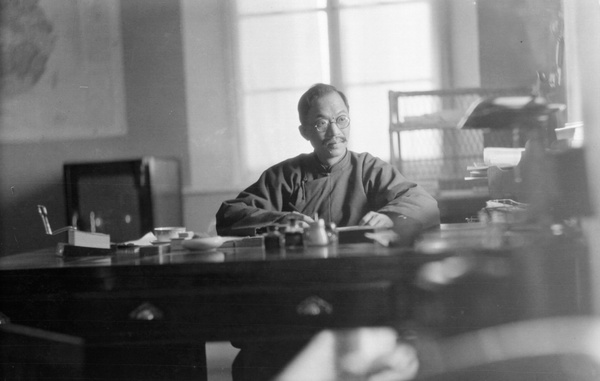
293	207
44	214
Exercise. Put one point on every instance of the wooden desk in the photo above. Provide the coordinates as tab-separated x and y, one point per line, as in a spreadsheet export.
162	308
187	298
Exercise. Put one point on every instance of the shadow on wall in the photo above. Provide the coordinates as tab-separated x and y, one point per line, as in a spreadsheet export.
21	224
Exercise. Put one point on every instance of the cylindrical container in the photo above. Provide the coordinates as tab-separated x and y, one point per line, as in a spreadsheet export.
316	234
293	234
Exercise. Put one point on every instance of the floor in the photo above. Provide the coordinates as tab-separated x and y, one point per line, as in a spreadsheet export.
219	356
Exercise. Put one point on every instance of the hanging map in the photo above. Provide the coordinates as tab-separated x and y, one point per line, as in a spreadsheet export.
61	73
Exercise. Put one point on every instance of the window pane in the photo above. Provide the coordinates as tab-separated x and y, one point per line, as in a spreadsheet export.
398	48
271	133
281	51
383	47
369	110
267	6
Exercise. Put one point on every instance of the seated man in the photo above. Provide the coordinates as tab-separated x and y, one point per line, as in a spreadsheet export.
340	186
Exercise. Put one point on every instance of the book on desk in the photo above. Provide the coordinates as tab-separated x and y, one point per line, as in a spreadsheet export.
80	243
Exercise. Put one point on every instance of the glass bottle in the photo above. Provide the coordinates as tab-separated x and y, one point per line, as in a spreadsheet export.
274	240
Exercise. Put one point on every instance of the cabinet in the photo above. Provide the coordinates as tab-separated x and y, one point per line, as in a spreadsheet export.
125	198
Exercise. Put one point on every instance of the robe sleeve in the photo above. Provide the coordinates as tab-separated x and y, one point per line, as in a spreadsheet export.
390	193
259	205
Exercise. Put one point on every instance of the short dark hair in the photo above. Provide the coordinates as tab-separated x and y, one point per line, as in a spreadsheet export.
316	92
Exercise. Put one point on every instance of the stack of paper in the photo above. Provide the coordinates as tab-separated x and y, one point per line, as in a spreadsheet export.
502	157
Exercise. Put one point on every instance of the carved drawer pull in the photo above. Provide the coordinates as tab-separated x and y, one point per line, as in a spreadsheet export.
146	311
314	306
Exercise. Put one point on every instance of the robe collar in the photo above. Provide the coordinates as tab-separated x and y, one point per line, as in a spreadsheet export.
339	166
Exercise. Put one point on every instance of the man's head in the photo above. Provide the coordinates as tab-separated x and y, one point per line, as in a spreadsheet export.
324	118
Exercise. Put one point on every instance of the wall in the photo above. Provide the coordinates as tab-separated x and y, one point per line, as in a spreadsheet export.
31	173
582	21
518	38
211	97
464	38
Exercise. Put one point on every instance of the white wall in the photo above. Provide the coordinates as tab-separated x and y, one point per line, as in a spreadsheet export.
464	37
582	20
213	140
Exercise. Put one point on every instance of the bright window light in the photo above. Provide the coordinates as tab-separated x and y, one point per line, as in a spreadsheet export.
285	47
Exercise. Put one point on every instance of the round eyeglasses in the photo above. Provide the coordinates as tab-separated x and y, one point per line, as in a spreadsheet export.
341	121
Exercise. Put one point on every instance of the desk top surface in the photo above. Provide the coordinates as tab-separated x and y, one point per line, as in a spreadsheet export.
452	237
48	259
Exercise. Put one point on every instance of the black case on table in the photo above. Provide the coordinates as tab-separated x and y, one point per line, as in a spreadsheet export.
127	198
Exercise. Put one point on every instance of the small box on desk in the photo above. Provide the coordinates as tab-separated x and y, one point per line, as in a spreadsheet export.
355	234
84	244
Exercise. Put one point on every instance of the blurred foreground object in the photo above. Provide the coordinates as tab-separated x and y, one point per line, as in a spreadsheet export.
553	349
373	354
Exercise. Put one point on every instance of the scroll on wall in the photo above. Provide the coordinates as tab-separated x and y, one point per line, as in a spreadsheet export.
61	70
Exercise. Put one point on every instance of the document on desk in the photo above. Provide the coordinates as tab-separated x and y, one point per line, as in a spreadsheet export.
502	157
145	240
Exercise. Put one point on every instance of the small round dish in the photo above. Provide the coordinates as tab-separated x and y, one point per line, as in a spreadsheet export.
204	243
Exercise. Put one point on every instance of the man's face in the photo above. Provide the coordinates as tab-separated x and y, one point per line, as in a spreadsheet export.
330	145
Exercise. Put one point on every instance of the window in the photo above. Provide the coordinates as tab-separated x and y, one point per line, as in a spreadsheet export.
363	47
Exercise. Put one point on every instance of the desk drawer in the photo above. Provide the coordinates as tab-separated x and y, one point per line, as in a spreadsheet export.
333	305
252	310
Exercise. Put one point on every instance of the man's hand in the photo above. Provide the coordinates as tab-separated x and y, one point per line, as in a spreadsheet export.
377	220
303	220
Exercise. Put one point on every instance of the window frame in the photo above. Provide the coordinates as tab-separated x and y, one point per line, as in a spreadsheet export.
332	9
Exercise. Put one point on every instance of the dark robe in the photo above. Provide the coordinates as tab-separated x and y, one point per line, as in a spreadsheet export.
342	194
